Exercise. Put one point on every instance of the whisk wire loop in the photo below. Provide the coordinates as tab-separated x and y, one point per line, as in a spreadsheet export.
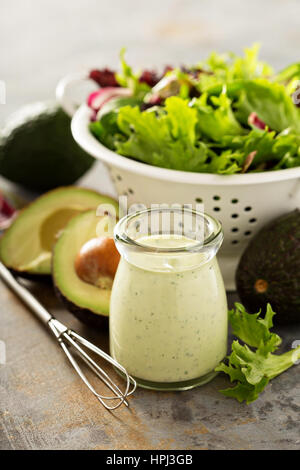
69	339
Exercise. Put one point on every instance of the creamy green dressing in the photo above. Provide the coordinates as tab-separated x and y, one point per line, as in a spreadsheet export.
168	313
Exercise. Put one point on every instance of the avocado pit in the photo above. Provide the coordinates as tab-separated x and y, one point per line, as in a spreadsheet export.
97	262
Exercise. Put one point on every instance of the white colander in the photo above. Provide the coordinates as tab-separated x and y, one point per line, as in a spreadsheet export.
242	203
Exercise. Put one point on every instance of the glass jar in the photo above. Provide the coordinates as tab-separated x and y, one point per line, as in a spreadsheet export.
168	311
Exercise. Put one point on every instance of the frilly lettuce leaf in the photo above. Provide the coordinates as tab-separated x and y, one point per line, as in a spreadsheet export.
251	328
167	139
251	368
216	120
128	79
210	133
106	130
271	102
279	150
289	77
226	68
288	73
203	135
245	391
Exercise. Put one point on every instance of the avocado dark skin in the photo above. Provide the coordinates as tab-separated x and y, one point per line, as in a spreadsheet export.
37	149
269	270
85	315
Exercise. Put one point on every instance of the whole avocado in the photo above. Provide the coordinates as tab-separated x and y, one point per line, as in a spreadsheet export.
37	149
269	270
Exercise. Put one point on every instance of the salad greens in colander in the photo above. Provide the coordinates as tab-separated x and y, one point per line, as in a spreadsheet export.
225	115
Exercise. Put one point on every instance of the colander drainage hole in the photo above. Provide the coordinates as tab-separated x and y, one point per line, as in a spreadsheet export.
234	216
199	200
216	198
217	209
234	229
234	242
234	201
248	208
252	221
119	177
247	233
130	191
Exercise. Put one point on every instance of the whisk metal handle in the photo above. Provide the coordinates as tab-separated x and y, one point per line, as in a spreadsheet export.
25	295
67	338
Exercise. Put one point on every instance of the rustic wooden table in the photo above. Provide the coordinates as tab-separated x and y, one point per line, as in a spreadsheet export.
43	405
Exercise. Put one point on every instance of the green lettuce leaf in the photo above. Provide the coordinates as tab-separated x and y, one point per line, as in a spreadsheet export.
252	329
249	66
245	391
210	133
225	163
167	139
289	77
128	79
227	68
271	102
193	137
107	130
279	150
288	73
251	368
216	120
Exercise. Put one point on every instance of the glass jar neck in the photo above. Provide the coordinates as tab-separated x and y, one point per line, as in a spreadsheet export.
168	239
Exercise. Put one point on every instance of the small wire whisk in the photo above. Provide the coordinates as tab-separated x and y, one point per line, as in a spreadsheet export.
69	339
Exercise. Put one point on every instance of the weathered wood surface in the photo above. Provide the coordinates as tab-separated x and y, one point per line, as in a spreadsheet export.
44	405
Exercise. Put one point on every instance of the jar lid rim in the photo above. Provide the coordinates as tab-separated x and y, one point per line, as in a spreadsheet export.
215	237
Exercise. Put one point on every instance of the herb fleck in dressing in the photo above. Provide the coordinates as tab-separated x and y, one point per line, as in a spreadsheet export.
168	326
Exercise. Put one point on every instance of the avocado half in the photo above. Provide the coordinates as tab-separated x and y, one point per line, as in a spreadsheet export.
26	247
269	270
87	302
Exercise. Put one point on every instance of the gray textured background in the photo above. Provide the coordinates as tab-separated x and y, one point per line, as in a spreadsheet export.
42	403
41	40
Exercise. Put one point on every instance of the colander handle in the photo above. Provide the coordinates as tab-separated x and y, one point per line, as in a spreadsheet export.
73	90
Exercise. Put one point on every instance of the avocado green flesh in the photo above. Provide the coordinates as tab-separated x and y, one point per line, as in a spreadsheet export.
77	292
37	149
27	244
54	223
